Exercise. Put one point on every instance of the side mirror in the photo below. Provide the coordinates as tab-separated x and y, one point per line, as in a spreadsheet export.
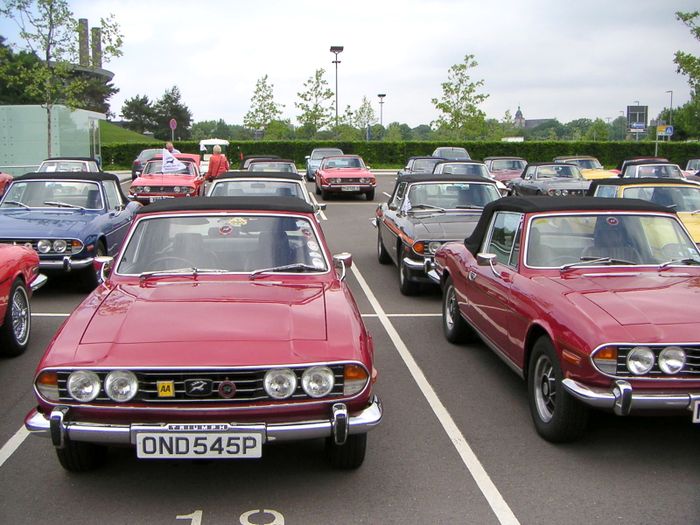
393	207
320	206
485	259
103	264
307	157
342	261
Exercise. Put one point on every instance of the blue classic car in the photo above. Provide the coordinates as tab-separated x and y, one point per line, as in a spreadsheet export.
67	218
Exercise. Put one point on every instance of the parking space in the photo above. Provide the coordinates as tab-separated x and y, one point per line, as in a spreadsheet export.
457	444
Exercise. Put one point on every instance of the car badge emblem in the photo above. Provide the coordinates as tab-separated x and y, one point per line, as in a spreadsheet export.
198	387
227	389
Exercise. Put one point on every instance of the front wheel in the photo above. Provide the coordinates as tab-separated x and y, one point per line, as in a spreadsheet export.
78	456
318	190
370	195
454	326
406	286
14	332
382	255
349	455
90	277
558	417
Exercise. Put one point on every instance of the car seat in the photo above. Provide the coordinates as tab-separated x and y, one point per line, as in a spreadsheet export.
93	199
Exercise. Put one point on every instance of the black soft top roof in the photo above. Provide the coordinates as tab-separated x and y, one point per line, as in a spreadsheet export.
504	157
229	204
647	161
629	181
552	163
563	157
88	159
276	159
545	204
244	174
442	177
453	161
632	159
69	175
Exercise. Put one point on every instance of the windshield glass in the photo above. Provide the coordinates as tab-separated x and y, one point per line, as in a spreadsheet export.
450	195
229	243
562	171
257	188
62	165
693	165
424	165
287	167
343	162
318	154
638	239
53	194
476	170
662	171
507	164
680	198
587	164
452	153
156	166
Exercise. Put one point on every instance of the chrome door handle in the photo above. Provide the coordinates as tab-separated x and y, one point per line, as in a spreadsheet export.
471	275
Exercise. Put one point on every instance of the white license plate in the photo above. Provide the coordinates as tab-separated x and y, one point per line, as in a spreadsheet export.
349	188
210	445
159	198
696	411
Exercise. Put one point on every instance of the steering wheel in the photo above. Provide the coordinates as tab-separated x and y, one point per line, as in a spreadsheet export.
186	263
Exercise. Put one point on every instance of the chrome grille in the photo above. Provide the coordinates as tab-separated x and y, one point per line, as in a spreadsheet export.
249	385
690	371
20	242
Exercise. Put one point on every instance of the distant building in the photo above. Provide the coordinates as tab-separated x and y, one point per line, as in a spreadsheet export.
520	122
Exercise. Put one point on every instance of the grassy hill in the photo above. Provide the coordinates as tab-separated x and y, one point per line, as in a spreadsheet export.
111	133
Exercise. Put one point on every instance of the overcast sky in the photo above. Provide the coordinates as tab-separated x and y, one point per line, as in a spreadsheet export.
554	58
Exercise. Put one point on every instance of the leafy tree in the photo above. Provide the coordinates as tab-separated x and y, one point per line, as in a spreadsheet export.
315	104
263	108
393	133
170	106
618	128
422	132
460	115
686	120
577	129
688	64
15	69
550	130
377	132
598	130
139	113
279	130
95	93
364	116
48	29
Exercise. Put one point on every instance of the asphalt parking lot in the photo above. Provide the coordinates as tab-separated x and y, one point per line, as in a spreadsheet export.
456	445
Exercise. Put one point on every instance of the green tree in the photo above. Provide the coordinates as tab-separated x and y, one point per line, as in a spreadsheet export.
48	30
15	70
279	130
422	132
170	106
460	116
139	114
393	133
618	128
598	130
364	116
263	108
688	64
315	104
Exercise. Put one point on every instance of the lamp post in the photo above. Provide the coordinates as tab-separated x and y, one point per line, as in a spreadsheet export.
336	50
636	135
381	108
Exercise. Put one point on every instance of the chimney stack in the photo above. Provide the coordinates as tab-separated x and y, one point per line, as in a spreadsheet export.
97	47
83	46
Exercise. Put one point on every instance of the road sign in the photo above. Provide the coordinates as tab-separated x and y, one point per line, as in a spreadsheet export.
664	131
173	124
637	125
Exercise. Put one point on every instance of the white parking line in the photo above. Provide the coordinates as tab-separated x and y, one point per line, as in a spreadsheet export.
483	480
13	444
404	315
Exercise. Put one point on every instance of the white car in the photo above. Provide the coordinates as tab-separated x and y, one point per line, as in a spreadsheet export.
469	167
63	164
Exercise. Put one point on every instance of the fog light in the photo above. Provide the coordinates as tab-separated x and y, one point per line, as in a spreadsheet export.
672	360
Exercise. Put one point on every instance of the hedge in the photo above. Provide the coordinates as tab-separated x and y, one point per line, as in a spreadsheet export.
396	153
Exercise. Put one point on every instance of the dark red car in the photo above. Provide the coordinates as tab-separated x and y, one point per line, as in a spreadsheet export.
594	302
344	174
225	324
19	277
505	168
155	184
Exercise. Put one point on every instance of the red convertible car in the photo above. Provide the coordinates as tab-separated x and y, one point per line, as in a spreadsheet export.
19	277
594	302
345	174
153	184
224	324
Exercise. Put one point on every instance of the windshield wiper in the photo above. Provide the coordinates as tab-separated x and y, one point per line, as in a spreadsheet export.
469	207
302	267
587	261
17	203
180	271
64	205
427	207
687	260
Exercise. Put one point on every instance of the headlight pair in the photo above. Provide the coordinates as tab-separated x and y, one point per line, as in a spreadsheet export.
281	383
640	360
119	385
558	193
45	246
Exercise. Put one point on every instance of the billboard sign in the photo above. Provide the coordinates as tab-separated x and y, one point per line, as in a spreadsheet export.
637	118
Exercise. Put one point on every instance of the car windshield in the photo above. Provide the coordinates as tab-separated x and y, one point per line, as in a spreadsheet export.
623	238
424	165
147	154
240	243
667	171
476	170
680	198
587	164
53	194
452	153
507	164
558	171
272	166
257	188
343	162
318	154
62	165
449	195
693	165
156	166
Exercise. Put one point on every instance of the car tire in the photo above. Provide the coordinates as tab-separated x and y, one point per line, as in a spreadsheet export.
324	194
370	195
406	286
455	328
90	277
78	456
318	190
14	332
558	417
382	255
349	455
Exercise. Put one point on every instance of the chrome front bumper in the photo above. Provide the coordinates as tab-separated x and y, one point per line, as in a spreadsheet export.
66	264
58	427
38	282
622	399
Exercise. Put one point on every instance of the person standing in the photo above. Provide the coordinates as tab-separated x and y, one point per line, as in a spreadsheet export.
218	164
169	146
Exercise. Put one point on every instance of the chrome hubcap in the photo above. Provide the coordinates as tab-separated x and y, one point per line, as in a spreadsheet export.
545	388
20	316
450	305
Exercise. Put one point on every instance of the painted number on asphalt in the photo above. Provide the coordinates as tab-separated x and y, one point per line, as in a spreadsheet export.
261	517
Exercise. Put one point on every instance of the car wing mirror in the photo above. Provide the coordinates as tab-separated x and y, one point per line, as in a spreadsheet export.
487	259
103	265
321	206
393	207
307	157
342	261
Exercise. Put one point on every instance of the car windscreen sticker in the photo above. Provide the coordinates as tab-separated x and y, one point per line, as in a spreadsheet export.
612	221
237	222
314	254
306	232
301	224
313	245
318	263
226	229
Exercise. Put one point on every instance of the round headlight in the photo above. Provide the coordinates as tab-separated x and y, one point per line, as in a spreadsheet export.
640	360
564	192
176	189
280	383
121	385
364	180
83	385
672	360
434	246
146	189
59	246
43	246
318	381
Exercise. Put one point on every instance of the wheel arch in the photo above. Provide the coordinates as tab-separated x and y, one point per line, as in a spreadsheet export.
535	331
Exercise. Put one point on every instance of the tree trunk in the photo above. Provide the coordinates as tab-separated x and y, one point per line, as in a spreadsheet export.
48	130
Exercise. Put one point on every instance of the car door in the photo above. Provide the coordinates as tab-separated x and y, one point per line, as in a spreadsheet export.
119	217
390	223
489	286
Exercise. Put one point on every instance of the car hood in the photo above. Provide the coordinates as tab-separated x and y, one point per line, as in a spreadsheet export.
203	312
27	224
347	172
161	179
591	174
565	183
669	297
502	175
444	226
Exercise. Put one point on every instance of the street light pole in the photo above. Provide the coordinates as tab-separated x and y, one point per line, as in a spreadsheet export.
670	113
381	108
636	135
336	50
